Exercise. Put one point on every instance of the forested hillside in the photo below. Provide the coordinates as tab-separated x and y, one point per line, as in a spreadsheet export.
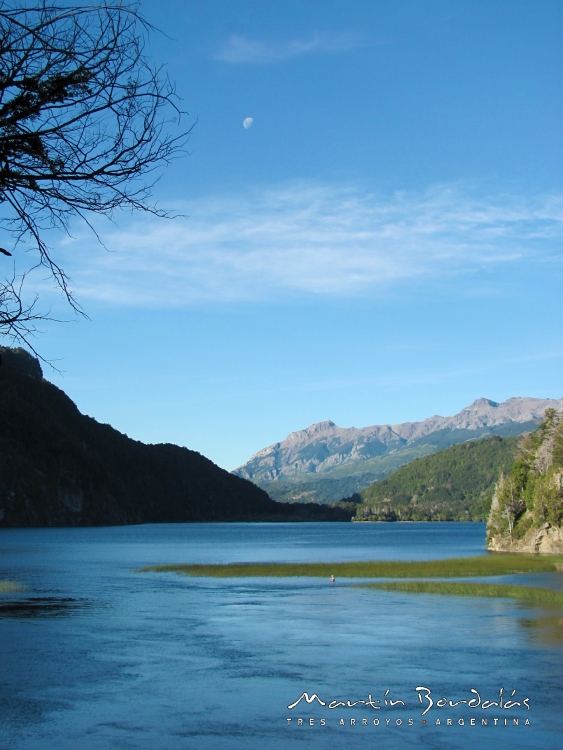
527	509
456	484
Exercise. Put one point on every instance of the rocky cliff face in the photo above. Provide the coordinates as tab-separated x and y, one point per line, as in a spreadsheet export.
61	468
527	510
546	540
324	446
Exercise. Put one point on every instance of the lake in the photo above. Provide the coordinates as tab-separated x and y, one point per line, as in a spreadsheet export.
96	656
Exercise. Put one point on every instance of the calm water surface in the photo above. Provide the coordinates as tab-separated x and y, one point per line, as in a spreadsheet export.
95	656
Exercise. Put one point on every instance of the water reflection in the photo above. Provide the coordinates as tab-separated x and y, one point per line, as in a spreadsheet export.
42	606
545	629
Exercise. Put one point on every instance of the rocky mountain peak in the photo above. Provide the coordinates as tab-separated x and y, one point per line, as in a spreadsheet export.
320	427
481	403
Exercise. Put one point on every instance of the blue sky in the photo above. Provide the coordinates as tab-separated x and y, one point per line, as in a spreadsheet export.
384	243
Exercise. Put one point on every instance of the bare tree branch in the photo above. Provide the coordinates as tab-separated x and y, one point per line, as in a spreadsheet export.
86	123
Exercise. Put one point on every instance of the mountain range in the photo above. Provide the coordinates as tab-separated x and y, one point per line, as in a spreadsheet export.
325	463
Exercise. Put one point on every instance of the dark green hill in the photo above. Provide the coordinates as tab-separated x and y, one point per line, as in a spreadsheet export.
456	484
61	468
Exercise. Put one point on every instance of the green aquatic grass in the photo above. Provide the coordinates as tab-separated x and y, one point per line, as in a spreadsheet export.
460	567
10	587
524	593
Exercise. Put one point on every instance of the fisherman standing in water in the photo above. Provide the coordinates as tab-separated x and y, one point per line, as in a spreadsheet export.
332	579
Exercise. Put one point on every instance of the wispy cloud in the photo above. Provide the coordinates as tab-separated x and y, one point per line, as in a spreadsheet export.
240	49
311	240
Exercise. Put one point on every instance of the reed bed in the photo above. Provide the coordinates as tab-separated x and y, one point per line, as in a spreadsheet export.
524	593
461	567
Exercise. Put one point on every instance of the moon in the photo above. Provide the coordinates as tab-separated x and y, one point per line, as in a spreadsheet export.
247	122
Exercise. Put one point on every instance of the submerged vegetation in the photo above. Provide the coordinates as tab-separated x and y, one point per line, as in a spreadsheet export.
10	587
461	567
524	593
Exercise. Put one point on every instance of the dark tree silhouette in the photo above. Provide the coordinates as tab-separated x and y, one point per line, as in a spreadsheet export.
86	122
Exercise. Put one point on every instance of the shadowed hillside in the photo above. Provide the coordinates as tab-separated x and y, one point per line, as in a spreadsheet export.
61	468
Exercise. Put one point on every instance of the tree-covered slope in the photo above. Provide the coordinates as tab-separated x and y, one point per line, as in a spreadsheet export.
61	468
455	484
527	509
